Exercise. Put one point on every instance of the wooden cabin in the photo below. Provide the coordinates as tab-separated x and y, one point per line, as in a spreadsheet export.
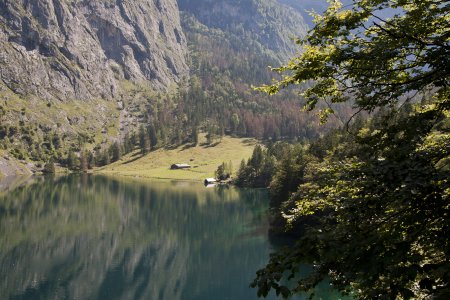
210	181
179	166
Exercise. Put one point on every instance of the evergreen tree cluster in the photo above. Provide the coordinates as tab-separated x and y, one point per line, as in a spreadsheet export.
224	171
258	170
371	211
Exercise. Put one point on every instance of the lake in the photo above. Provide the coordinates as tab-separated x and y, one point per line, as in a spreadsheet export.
94	237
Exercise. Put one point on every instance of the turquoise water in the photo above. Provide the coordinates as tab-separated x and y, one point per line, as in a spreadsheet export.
92	237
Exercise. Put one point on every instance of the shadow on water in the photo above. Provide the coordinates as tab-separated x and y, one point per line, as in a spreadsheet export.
93	237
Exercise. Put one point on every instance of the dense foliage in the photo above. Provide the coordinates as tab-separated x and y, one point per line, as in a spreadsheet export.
225	62
257	172
373	205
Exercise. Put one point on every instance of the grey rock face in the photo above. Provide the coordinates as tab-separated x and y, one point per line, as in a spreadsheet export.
267	22
80	49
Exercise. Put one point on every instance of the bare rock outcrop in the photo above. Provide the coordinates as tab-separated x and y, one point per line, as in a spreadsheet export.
80	49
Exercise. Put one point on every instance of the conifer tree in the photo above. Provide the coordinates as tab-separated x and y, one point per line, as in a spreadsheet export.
127	145
83	161
72	160
194	135
115	151
144	140
152	134
49	167
91	160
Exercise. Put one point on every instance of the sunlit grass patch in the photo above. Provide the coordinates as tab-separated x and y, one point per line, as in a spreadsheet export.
203	160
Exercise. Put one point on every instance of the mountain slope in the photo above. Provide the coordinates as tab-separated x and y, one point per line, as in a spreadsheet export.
231	45
81	49
267	23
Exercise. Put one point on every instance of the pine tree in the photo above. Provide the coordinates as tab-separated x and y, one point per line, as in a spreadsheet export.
56	141
242	174
234	123
115	152
127	146
72	160
106	159
220	172
144	140
83	161
195	135
91	160
49	167
152	134
257	157
98	156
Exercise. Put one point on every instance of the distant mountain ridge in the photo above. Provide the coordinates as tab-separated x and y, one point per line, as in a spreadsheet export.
271	25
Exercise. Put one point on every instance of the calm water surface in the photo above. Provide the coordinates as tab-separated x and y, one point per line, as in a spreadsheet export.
92	237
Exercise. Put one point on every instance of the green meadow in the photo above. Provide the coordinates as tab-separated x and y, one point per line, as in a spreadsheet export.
203	159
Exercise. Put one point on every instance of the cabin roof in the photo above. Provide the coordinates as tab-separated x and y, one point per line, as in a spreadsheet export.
181	165
209	181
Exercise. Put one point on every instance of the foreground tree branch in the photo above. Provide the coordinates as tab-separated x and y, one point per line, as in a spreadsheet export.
381	212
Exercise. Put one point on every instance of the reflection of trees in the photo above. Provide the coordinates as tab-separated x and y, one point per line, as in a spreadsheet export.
92	237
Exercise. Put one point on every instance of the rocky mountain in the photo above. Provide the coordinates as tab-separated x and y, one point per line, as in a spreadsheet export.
268	23
57	49
85	74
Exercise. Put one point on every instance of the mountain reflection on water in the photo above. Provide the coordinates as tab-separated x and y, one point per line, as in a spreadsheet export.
93	237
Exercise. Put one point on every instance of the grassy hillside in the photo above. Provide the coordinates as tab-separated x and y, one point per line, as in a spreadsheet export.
203	159
30	126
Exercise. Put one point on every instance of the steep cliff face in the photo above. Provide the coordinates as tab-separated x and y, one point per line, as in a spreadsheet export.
266	22
61	49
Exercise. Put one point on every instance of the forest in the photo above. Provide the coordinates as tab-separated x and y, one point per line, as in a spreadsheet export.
367	204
